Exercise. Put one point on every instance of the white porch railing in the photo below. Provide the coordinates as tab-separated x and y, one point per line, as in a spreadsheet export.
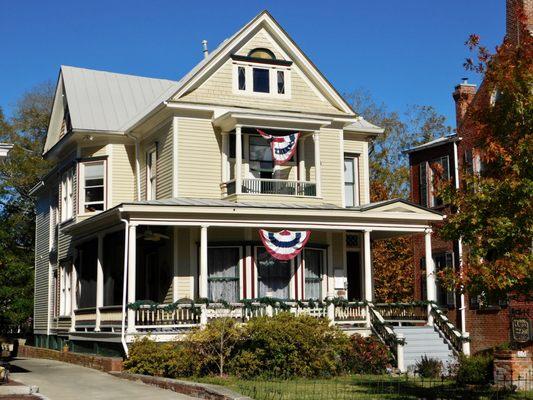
271	186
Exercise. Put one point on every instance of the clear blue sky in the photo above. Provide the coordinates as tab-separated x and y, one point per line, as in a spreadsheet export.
403	52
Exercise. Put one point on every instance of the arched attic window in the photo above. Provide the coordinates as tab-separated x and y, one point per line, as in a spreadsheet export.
263	53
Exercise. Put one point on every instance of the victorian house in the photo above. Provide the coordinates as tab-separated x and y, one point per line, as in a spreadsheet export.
165	193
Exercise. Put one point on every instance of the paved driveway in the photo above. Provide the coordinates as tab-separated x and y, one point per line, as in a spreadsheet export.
62	381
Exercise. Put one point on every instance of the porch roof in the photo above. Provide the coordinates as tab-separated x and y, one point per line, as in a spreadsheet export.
392	215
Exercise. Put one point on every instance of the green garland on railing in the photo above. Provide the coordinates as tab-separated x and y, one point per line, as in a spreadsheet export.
250	304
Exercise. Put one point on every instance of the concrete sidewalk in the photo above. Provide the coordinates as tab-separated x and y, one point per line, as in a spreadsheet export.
61	381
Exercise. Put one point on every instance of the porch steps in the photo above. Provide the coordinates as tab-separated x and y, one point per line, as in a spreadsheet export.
424	340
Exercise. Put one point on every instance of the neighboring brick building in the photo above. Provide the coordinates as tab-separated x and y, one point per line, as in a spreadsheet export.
488	323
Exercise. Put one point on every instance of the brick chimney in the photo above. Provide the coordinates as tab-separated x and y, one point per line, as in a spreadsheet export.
463	95
513	10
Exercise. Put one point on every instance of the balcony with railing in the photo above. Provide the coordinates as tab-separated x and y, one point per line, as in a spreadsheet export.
248	168
272	187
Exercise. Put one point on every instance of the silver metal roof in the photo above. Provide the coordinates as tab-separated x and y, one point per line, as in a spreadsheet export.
198	202
433	143
362	125
105	101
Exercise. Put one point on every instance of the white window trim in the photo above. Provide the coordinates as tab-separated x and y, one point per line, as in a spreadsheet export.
67	196
239	267
323	274
81	187
357	183
273	69
151	190
65	282
430	190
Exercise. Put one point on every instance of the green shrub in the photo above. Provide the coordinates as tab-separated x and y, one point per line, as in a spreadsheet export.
147	357
282	346
366	355
286	346
476	369
429	367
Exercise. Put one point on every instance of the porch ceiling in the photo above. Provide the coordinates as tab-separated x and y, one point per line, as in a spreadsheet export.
390	216
228	121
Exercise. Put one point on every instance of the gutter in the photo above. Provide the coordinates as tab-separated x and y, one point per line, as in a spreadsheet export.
124	285
462	307
137	163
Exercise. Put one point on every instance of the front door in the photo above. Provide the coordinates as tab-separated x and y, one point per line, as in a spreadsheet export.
353	261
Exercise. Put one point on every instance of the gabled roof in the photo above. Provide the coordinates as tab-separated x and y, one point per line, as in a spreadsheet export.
434	143
105	101
111	102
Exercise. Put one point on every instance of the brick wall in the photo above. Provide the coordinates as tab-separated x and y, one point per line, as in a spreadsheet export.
106	364
513	367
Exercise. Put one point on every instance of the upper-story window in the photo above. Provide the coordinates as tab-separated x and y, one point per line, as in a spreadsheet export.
261	74
151	173
92	191
351	181
67	198
428	171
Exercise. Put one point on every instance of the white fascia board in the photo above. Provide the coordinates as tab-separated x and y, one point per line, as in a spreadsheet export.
283	212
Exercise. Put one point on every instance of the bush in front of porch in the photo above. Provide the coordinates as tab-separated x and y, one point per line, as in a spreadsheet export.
283	346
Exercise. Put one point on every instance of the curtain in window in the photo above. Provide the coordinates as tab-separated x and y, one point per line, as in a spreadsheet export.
273	275
223	274
313	274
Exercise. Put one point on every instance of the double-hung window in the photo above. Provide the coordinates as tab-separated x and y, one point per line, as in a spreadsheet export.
439	167
92	193
313	261
65	281
223	273
273	275
67	203
151	174
351	181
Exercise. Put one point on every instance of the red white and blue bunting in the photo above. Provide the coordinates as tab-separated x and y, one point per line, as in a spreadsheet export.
283	147
284	245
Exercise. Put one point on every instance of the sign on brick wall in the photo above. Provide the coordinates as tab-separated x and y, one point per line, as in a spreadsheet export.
521	330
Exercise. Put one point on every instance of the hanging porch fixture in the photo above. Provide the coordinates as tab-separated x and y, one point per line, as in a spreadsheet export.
283	147
284	245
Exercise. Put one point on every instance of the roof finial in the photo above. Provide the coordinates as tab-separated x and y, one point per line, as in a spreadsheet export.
206	51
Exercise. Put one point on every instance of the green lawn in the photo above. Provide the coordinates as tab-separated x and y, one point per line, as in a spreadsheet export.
358	387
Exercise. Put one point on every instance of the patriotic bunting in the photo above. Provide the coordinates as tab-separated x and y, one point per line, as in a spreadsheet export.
284	245
283	147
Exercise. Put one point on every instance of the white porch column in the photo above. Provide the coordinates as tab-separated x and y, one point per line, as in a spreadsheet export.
224	158
316	140
368	265
203	262
301	159
238	159
132	274
430	273
73	298
99	280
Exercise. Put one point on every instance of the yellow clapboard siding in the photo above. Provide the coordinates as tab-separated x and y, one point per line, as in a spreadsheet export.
199	171
330	154
164	139
122	170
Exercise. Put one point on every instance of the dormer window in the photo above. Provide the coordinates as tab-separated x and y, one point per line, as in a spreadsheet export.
261	74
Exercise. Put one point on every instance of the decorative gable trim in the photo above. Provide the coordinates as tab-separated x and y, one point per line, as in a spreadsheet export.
264	19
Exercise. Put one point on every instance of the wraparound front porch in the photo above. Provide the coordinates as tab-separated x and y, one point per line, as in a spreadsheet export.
211	250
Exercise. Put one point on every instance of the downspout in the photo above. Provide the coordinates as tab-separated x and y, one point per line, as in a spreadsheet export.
125	285
462	307
137	163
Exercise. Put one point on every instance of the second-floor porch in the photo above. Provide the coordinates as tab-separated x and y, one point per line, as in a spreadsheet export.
247	165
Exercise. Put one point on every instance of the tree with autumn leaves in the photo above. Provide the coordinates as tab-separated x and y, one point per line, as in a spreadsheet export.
392	259
494	208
